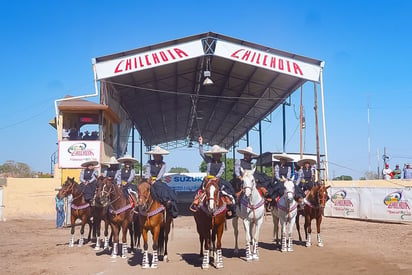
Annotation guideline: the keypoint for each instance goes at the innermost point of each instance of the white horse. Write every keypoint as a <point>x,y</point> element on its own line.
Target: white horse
<point>252,212</point>
<point>286,211</point>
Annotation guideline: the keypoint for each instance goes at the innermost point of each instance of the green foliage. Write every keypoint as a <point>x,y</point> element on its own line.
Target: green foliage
<point>16,169</point>
<point>178,170</point>
<point>343,177</point>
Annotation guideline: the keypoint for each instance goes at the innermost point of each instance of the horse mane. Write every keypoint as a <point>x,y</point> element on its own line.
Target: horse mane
<point>313,193</point>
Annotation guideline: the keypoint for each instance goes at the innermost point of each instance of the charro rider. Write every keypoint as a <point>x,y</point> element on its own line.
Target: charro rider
<point>306,179</point>
<point>88,180</point>
<point>155,170</point>
<point>112,170</point>
<point>282,173</point>
<point>127,175</point>
<point>215,168</point>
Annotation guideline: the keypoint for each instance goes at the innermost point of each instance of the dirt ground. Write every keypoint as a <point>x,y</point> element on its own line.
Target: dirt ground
<point>350,247</point>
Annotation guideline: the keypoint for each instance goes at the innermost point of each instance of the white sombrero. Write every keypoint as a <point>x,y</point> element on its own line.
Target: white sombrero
<point>90,162</point>
<point>247,150</point>
<point>283,156</point>
<point>157,151</point>
<point>304,160</point>
<point>216,149</point>
<point>112,161</point>
<point>127,158</point>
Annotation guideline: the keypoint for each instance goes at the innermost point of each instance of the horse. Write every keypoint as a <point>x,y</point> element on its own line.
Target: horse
<point>313,209</point>
<point>210,219</point>
<point>80,209</point>
<point>99,213</point>
<point>286,211</point>
<point>252,212</point>
<point>120,213</point>
<point>153,217</point>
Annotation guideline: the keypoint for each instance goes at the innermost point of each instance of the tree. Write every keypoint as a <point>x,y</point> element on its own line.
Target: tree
<point>178,170</point>
<point>370,176</point>
<point>343,177</point>
<point>18,170</point>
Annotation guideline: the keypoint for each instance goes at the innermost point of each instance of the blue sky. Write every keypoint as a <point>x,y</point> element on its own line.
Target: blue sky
<point>47,48</point>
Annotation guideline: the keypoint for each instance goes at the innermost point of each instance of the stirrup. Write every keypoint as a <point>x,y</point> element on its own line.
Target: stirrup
<point>193,208</point>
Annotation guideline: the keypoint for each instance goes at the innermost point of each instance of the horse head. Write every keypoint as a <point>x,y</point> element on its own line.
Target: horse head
<point>249,183</point>
<point>212,194</point>
<point>322,195</point>
<point>144,197</point>
<point>289,191</point>
<point>102,195</point>
<point>68,188</point>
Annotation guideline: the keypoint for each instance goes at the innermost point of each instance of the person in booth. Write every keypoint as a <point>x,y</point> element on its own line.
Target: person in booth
<point>155,170</point>
<point>88,180</point>
<point>215,168</point>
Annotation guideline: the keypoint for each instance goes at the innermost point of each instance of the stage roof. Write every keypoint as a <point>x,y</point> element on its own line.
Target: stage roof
<point>161,87</point>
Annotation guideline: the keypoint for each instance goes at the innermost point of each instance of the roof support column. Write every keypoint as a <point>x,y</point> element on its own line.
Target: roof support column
<point>323,122</point>
<point>260,142</point>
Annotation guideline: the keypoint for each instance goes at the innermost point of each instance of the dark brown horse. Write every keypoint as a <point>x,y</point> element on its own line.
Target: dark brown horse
<point>154,217</point>
<point>100,214</point>
<point>120,212</point>
<point>210,220</point>
<point>80,209</point>
<point>313,210</point>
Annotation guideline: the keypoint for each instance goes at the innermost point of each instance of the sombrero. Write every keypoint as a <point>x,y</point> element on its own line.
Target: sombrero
<point>283,156</point>
<point>247,150</point>
<point>304,160</point>
<point>216,149</point>
<point>157,151</point>
<point>90,162</point>
<point>127,158</point>
<point>112,161</point>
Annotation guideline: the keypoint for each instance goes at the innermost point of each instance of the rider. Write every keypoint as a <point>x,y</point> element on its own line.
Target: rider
<point>112,170</point>
<point>88,180</point>
<point>215,168</point>
<point>282,173</point>
<point>306,179</point>
<point>127,175</point>
<point>155,170</point>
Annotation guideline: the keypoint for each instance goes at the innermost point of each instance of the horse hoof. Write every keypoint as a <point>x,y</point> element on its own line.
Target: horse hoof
<point>320,244</point>
<point>219,265</point>
<point>290,249</point>
<point>97,248</point>
<point>205,266</point>
<point>308,244</point>
<point>255,257</point>
<point>124,256</point>
<point>165,258</point>
<point>114,256</point>
<point>145,266</point>
<point>154,266</point>
<point>249,258</point>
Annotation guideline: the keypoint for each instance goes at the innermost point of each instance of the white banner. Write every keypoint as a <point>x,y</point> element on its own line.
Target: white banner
<point>267,61</point>
<point>184,182</point>
<point>72,153</point>
<point>148,60</point>
<point>371,203</point>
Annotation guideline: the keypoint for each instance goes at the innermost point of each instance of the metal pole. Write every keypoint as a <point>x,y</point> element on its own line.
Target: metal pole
<point>141,156</point>
<point>284,127</point>
<point>317,133</point>
<point>260,142</point>
<point>324,123</point>
<point>133,141</point>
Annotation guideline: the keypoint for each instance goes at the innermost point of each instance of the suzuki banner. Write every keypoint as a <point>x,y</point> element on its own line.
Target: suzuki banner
<point>184,182</point>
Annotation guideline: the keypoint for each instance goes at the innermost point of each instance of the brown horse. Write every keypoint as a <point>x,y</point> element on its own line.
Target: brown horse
<point>120,212</point>
<point>100,214</point>
<point>154,217</point>
<point>210,220</point>
<point>313,209</point>
<point>80,209</point>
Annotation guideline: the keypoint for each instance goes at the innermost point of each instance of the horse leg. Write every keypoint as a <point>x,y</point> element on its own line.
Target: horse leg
<point>106,234</point>
<point>81,239</point>
<point>298,226</point>
<point>205,233</point>
<point>308,230</point>
<point>97,226</point>
<point>290,239</point>
<point>246,225</point>
<point>166,238</point>
<point>259,223</point>
<point>145,261</point>
<point>236,233</point>
<point>318,222</point>
<point>125,227</point>
<point>72,221</point>
<point>283,234</point>
<point>275,220</point>
<point>115,231</point>
<point>219,258</point>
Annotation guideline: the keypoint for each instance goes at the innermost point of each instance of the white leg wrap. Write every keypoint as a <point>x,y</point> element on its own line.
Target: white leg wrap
<point>71,242</point>
<point>124,250</point>
<point>219,262</point>
<point>284,247</point>
<point>290,243</point>
<point>114,251</point>
<point>248,253</point>
<point>81,240</point>
<point>106,243</point>
<point>320,243</point>
<point>145,261</point>
<point>97,247</point>
<point>308,241</point>
<point>155,259</point>
<point>205,263</point>
<point>255,255</point>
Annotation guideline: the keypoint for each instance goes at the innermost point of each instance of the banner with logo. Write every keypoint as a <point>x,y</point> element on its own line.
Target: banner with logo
<point>269,61</point>
<point>149,59</point>
<point>184,182</point>
<point>72,153</point>
<point>370,203</point>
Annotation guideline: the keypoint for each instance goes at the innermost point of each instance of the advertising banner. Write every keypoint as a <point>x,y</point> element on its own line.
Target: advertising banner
<point>184,182</point>
<point>267,60</point>
<point>371,203</point>
<point>148,60</point>
<point>72,153</point>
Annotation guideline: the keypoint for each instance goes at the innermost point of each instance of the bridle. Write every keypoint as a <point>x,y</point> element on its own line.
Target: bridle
<point>145,199</point>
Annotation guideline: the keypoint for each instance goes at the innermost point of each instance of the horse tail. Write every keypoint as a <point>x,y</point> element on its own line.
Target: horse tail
<point>161,241</point>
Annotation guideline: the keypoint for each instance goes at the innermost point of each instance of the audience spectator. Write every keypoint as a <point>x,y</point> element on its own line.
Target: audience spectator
<point>387,172</point>
<point>87,136</point>
<point>73,134</point>
<point>94,136</point>
<point>407,172</point>
<point>397,172</point>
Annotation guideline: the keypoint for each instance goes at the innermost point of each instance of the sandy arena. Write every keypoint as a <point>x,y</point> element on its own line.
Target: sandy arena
<point>350,247</point>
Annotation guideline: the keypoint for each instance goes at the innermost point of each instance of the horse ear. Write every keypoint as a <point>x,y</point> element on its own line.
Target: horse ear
<point>328,186</point>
